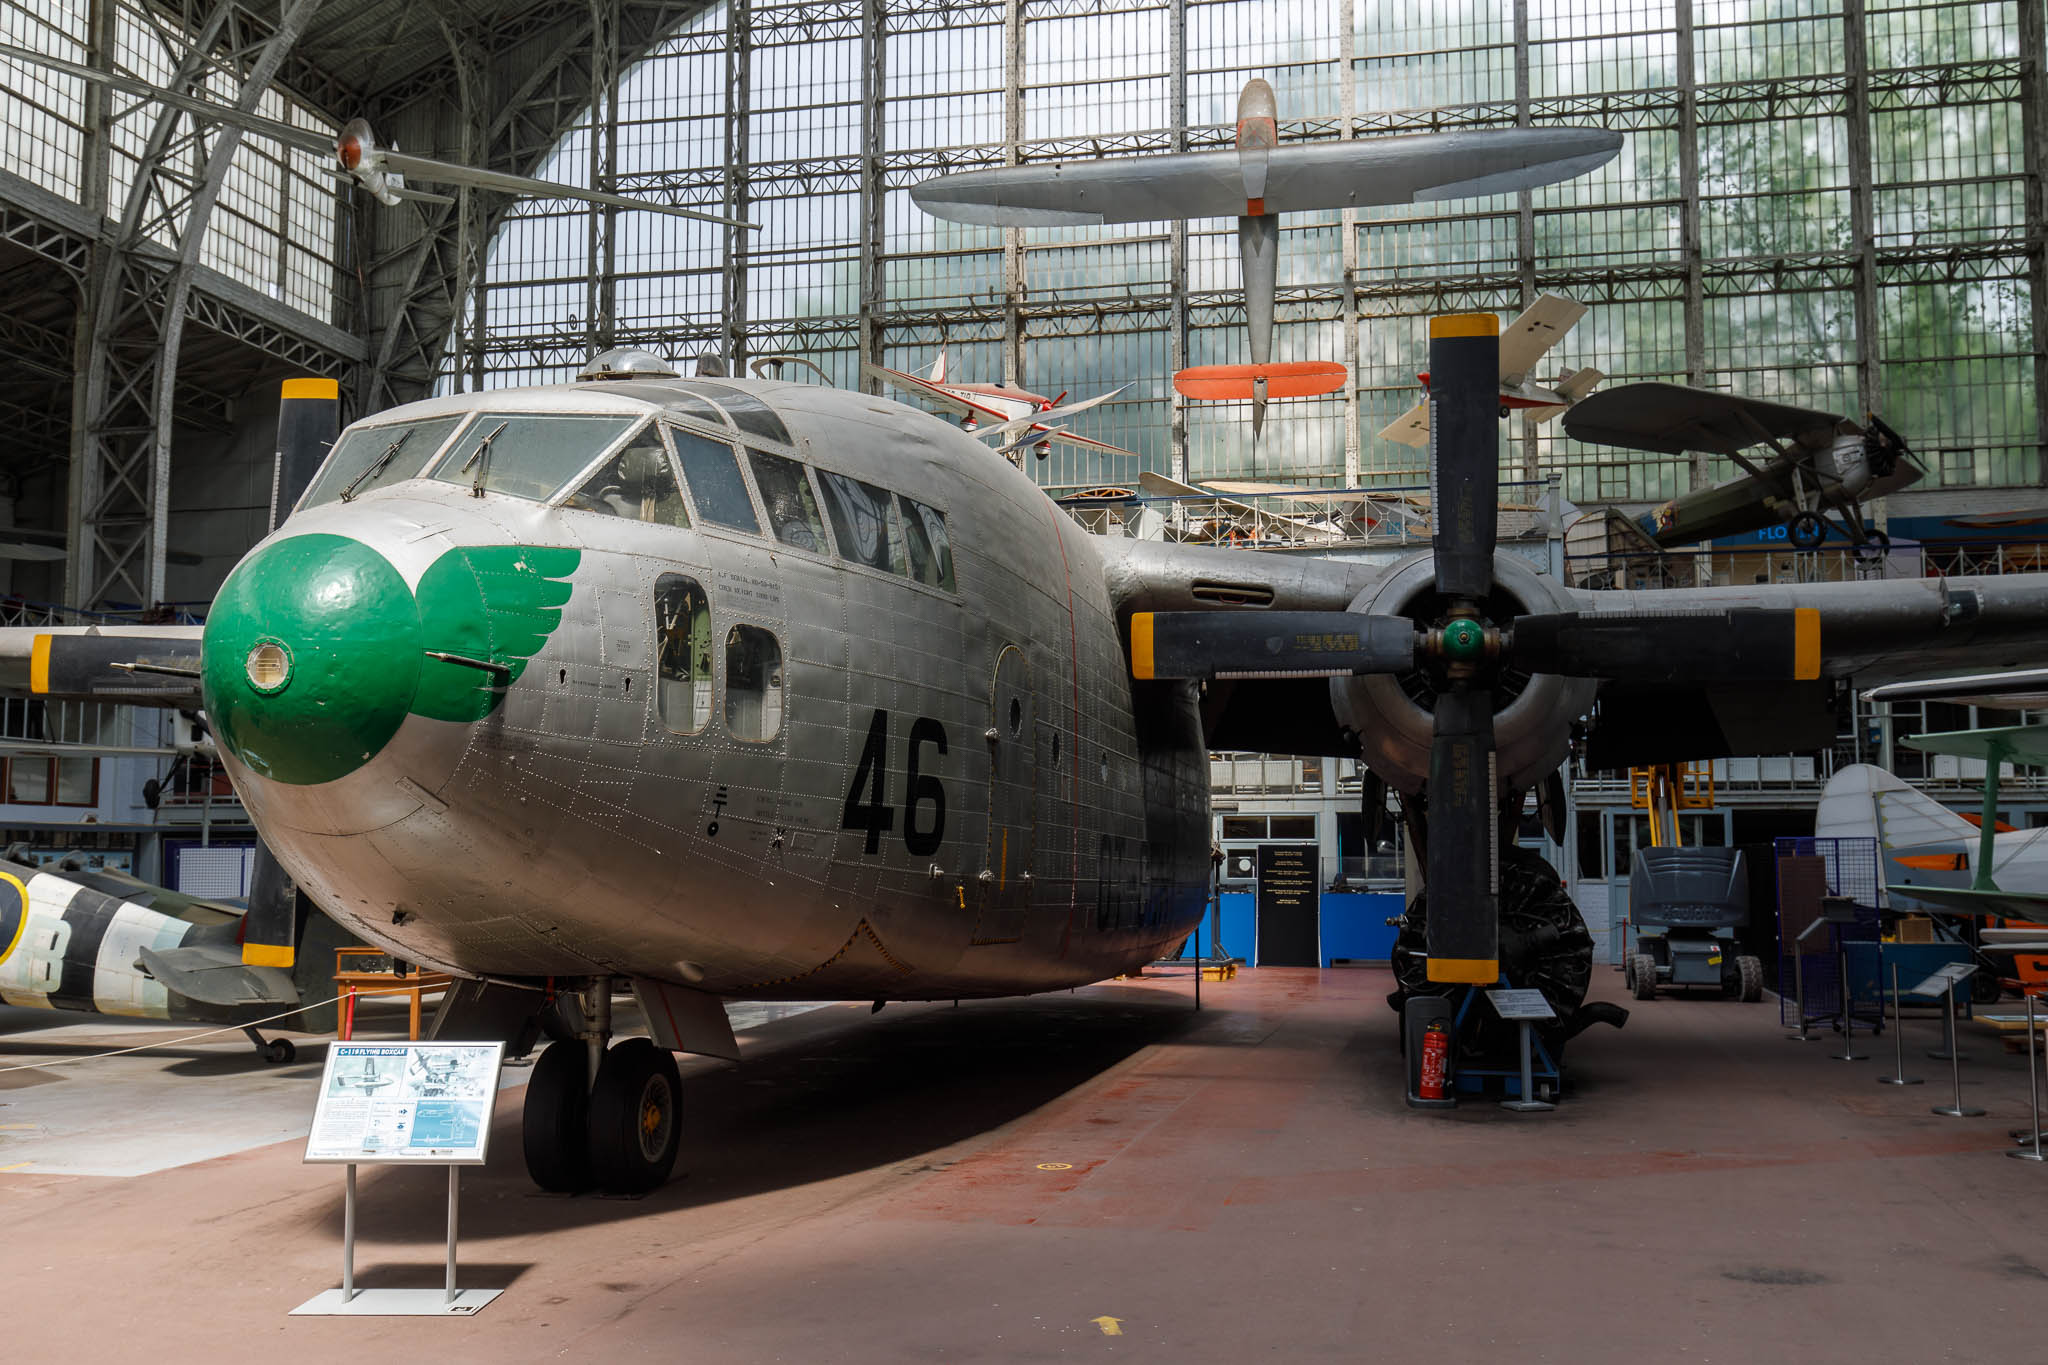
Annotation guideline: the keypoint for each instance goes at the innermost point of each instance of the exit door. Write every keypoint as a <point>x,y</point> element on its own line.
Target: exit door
<point>1012,738</point>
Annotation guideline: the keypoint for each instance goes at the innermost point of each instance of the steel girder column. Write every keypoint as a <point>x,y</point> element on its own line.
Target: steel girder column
<point>471,222</point>
<point>1525,220</point>
<point>121,455</point>
<point>1694,305</point>
<point>601,290</point>
<point>874,70</point>
<point>1862,212</point>
<point>1013,238</point>
<point>1347,225</point>
<point>1177,265</point>
<point>2033,27</point>
<point>739,82</point>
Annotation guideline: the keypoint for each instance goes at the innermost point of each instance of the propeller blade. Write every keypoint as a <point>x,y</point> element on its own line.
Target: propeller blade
<point>1739,645</point>
<point>1464,450</point>
<point>1463,926</point>
<point>1269,644</point>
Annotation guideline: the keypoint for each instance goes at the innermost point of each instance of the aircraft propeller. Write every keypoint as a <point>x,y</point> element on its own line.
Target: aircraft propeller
<point>1465,654</point>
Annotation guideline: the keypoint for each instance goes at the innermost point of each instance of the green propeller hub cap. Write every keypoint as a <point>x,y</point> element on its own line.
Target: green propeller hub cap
<point>311,658</point>
<point>1464,640</point>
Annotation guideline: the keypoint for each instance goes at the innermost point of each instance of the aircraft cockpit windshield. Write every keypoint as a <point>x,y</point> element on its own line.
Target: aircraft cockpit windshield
<point>373,457</point>
<point>528,454</point>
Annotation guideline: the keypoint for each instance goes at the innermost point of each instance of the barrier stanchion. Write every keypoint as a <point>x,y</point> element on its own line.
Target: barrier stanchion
<point>1898,1038</point>
<point>1957,1110</point>
<point>2033,1151</point>
<point>1849,1052</point>
<point>1799,985</point>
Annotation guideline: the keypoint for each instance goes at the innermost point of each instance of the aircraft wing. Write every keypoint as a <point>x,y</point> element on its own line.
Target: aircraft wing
<point>932,393</point>
<point>1673,419</point>
<point>1299,176</point>
<point>2024,689</point>
<point>1541,326</point>
<point>1411,428</point>
<point>1957,900</point>
<point>1068,438</point>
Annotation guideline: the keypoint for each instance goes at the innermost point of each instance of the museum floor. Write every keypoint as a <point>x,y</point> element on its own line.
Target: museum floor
<point>1093,1176</point>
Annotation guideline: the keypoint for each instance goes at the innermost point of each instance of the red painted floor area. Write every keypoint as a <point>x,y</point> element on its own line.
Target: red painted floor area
<point>1110,1175</point>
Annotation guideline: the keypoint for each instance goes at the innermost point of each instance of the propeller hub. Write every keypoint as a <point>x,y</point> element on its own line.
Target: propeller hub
<point>1464,641</point>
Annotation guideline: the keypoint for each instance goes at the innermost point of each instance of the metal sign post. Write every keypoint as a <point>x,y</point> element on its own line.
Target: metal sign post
<point>1799,985</point>
<point>1898,1039</point>
<point>1524,1007</point>
<point>2033,1152</point>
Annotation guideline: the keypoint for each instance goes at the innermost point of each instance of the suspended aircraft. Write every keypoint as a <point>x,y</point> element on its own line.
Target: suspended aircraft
<point>1255,182</point>
<point>356,154</point>
<point>1821,462</point>
<point>1021,417</point>
<point>724,688</point>
<point>1523,344</point>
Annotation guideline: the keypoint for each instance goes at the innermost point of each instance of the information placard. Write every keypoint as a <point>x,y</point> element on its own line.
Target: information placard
<point>423,1102</point>
<point>1519,1004</point>
<point>1943,977</point>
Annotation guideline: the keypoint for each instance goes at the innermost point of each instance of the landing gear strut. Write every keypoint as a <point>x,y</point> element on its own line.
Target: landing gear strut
<point>276,1051</point>
<point>602,1116</point>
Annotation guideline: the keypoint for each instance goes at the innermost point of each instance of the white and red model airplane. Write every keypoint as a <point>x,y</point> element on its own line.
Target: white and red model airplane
<point>1021,417</point>
<point>1523,343</point>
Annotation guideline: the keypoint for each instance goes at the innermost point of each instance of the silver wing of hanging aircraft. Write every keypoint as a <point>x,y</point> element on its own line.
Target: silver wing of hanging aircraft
<point>1301,176</point>
<point>354,152</point>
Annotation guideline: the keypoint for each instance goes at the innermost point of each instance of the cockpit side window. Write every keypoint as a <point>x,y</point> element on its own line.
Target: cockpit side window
<point>753,684</point>
<point>863,521</point>
<point>931,553</point>
<point>713,473</point>
<point>682,628</point>
<point>373,457</point>
<point>747,412</point>
<point>786,493</point>
<point>637,484</point>
<point>527,454</point>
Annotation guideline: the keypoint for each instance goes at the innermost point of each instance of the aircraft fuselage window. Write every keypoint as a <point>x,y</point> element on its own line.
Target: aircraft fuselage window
<point>636,484</point>
<point>864,522</point>
<point>682,627</point>
<point>753,684</point>
<point>786,493</point>
<point>373,457</point>
<point>930,552</point>
<point>713,473</point>
<point>748,413</point>
<point>529,454</point>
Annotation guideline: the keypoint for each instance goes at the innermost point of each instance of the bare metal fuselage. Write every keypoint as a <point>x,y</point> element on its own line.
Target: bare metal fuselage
<point>1035,820</point>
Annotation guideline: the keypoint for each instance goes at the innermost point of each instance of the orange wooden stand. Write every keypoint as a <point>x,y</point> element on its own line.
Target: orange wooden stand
<point>352,984</point>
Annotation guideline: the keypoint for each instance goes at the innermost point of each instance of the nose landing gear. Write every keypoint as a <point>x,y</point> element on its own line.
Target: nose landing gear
<point>616,1134</point>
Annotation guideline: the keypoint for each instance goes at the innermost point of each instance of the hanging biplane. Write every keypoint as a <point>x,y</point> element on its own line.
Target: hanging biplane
<point>1820,463</point>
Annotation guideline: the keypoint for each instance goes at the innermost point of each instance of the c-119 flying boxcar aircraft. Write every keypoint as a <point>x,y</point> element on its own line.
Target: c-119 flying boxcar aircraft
<point>742,688</point>
<point>1820,462</point>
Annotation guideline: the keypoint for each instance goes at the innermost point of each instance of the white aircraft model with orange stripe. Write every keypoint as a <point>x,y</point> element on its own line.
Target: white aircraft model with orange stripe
<point>1523,343</point>
<point>1019,414</point>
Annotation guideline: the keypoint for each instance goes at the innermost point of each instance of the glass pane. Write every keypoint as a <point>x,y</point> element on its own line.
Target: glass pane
<point>692,406</point>
<point>786,493</point>
<point>403,448</point>
<point>749,413</point>
<point>636,484</point>
<point>713,473</point>
<point>931,554</point>
<point>28,781</point>
<point>74,781</point>
<point>862,522</point>
<point>753,684</point>
<point>1294,827</point>
<point>1244,826</point>
<point>682,620</point>
<point>525,454</point>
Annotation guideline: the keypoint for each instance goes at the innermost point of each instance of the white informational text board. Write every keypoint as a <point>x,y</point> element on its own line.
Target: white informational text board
<point>426,1102</point>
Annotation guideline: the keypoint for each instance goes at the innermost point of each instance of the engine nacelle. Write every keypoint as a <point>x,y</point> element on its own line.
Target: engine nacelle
<point>1850,460</point>
<point>1391,714</point>
<point>362,156</point>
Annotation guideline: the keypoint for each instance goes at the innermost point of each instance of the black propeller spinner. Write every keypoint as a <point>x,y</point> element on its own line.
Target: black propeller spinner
<point>1466,654</point>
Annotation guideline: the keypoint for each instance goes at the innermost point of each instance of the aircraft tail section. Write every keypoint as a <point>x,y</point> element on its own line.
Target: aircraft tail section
<point>1863,801</point>
<point>1579,383</point>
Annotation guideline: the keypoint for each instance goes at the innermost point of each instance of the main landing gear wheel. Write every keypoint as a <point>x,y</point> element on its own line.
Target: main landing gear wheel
<point>553,1128</point>
<point>634,1129</point>
<point>279,1051</point>
<point>1808,530</point>
<point>1644,971</point>
<point>1876,545</point>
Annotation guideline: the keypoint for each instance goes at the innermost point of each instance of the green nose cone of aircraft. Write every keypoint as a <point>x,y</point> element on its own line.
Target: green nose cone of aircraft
<point>311,658</point>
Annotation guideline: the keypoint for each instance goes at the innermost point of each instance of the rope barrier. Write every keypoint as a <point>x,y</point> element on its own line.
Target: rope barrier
<point>171,1042</point>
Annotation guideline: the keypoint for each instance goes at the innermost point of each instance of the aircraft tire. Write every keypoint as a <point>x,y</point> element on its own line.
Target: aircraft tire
<point>279,1051</point>
<point>635,1111</point>
<point>1807,530</point>
<point>553,1123</point>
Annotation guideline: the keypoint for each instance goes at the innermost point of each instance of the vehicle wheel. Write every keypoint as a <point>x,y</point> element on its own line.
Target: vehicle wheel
<point>1645,984</point>
<point>279,1051</point>
<point>553,1125</point>
<point>1752,971</point>
<point>1985,989</point>
<point>634,1111</point>
<point>1808,530</point>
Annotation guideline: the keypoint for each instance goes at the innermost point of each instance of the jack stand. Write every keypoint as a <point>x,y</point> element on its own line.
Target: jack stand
<point>1526,1103</point>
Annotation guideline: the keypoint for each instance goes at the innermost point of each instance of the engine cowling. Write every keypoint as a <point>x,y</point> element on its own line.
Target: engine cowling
<point>1392,713</point>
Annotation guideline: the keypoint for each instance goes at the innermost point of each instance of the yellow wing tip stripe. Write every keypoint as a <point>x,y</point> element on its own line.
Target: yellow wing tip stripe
<point>1141,645</point>
<point>39,665</point>
<point>311,388</point>
<point>267,955</point>
<point>1471,971</point>
<point>1465,325</point>
<point>1805,643</point>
